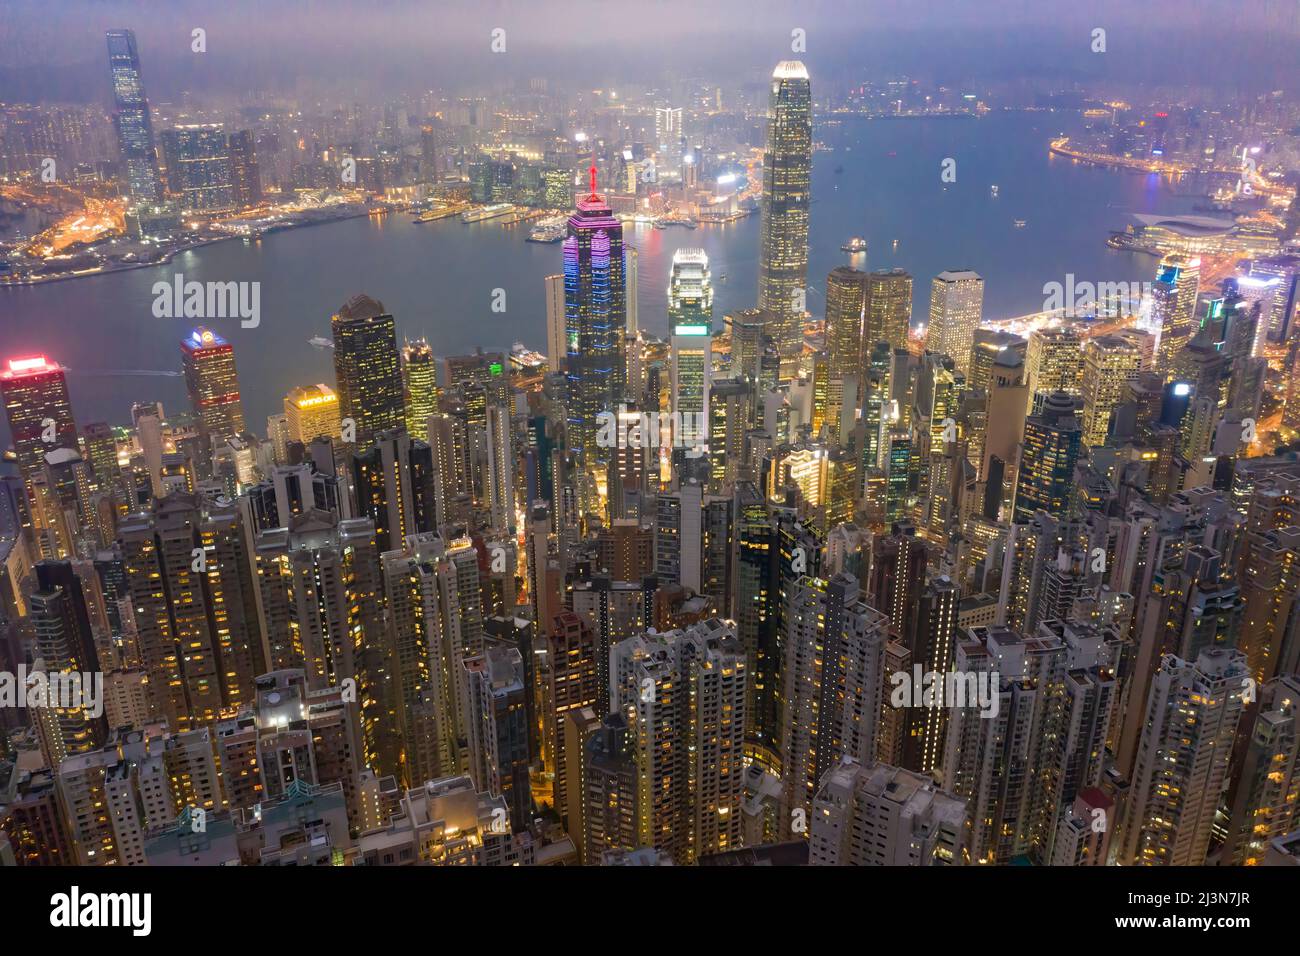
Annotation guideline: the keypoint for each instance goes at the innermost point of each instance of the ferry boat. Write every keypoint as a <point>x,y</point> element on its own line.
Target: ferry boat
<point>490,211</point>
<point>856,244</point>
<point>1020,224</point>
<point>320,342</point>
<point>549,230</point>
<point>993,191</point>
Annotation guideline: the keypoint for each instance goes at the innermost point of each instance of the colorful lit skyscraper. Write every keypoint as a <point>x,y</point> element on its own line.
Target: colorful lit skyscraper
<point>1174,308</point>
<point>1051,448</point>
<point>595,313</point>
<point>690,314</point>
<point>35,394</point>
<point>311,411</point>
<point>212,384</point>
<point>787,178</point>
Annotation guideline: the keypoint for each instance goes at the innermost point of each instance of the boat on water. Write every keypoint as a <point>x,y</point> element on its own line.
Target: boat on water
<point>551,229</point>
<point>1020,224</point>
<point>491,211</point>
<point>993,191</point>
<point>320,342</point>
<point>856,244</point>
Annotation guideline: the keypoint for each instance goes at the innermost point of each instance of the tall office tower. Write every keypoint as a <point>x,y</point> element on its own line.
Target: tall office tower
<point>595,315</point>
<point>166,560</point>
<point>693,542</point>
<point>787,193</point>
<point>846,301</point>
<point>1190,722</point>
<point>498,730</point>
<point>198,168</point>
<point>632,270</point>
<point>682,693</point>
<point>1110,363</point>
<point>750,330</point>
<point>1001,756</point>
<point>888,309</point>
<point>556,332</point>
<point>956,309</point>
<point>311,411</point>
<point>1054,361</point>
<point>501,469</point>
<point>245,175</point>
<point>1051,448</point>
<point>690,315</point>
<point>931,644</point>
<point>615,610</point>
<point>877,815</point>
<point>986,350</point>
<point>609,789</point>
<point>421,633</point>
<point>832,684</point>
<point>64,645</point>
<point>569,684</point>
<point>898,565</point>
<point>420,383</point>
<point>367,369</point>
<point>209,364</point>
<point>669,135</point>
<point>1263,799</point>
<point>729,402</point>
<point>393,479</point>
<point>1173,309</point>
<point>1008,397</point>
<point>1270,589</point>
<point>131,118</point>
<point>35,394</point>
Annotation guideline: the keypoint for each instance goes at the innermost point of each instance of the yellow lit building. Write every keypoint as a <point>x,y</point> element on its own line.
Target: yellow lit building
<point>311,411</point>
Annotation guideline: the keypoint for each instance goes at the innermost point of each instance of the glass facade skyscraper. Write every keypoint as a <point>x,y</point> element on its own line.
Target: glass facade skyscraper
<point>131,118</point>
<point>787,178</point>
<point>595,313</point>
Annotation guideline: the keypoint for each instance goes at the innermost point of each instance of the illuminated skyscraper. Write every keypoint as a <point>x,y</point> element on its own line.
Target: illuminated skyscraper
<point>956,307</point>
<point>846,300</point>
<point>131,118</point>
<point>1264,800</point>
<point>787,177</point>
<point>1054,361</point>
<point>690,314</point>
<point>213,386</point>
<point>888,309</point>
<point>833,679</point>
<point>367,368</point>
<point>245,177</point>
<point>394,487</point>
<point>595,314</point>
<point>1174,308</point>
<point>1109,364</point>
<point>198,168</point>
<point>501,468</point>
<point>311,411</point>
<point>1189,725</point>
<point>1051,448</point>
<point>420,381</point>
<point>35,394</point>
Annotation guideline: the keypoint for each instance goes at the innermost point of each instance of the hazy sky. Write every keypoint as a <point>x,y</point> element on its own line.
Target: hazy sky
<point>54,49</point>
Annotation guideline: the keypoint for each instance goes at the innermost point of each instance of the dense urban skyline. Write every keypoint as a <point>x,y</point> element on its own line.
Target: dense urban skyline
<point>752,562</point>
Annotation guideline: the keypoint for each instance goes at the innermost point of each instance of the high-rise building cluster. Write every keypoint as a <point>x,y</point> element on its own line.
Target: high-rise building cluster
<point>783,586</point>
